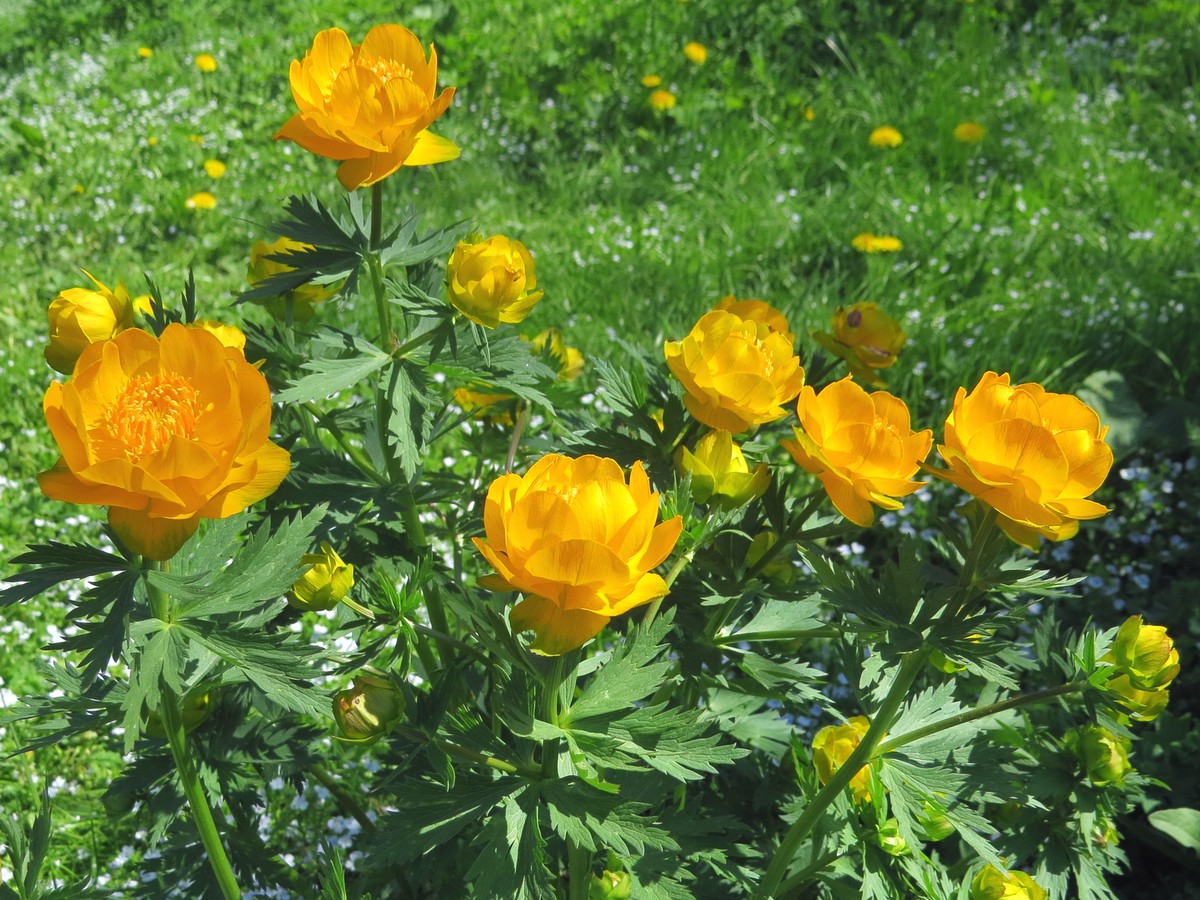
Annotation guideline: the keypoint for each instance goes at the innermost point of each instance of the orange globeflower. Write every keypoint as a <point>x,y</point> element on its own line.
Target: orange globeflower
<point>370,105</point>
<point>866,337</point>
<point>757,311</point>
<point>861,447</point>
<point>79,317</point>
<point>737,373</point>
<point>1032,455</point>
<point>578,542</point>
<point>164,432</point>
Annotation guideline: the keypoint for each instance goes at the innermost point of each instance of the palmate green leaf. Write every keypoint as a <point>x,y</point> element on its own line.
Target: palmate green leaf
<point>157,659</point>
<point>410,416</point>
<point>776,620</point>
<point>350,359</point>
<point>503,362</point>
<point>263,569</point>
<point>53,563</point>
<point>101,641</point>
<point>778,680</point>
<point>631,673</point>
<point>512,859</point>
<point>597,820</point>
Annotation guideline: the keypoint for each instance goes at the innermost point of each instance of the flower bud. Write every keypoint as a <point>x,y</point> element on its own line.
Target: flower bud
<point>780,569</point>
<point>80,317</point>
<point>492,281</point>
<point>890,840</point>
<point>1104,755</point>
<point>193,709</point>
<point>1146,654</point>
<point>261,267</point>
<point>720,472</point>
<point>933,822</point>
<point>611,886</point>
<point>368,709</point>
<point>832,746</point>
<point>992,884</point>
<point>327,581</point>
<point>1142,706</point>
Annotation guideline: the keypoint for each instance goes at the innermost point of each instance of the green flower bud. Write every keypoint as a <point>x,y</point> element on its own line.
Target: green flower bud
<point>933,821</point>
<point>1104,755</point>
<point>1146,654</point>
<point>779,570</point>
<point>611,886</point>
<point>193,709</point>
<point>368,709</point>
<point>888,837</point>
<point>992,884</point>
<point>720,473</point>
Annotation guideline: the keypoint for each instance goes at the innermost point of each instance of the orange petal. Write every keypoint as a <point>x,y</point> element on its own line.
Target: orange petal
<point>156,539</point>
<point>557,630</point>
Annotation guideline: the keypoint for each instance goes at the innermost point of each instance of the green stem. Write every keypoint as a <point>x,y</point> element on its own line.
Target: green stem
<point>655,605</point>
<point>382,310</point>
<point>500,765</point>
<point>355,453</point>
<point>344,800</point>
<point>444,638</point>
<point>805,875</point>
<point>910,667</point>
<point>579,871</point>
<point>515,441</point>
<point>980,712</point>
<point>550,689</point>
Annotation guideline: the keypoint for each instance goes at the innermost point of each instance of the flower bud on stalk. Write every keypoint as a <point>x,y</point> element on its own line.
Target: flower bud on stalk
<point>867,338</point>
<point>720,473</point>
<point>832,746</point>
<point>611,886</point>
<point>368,709</point>
<point>80,317</point>
<point>325,584</point>
<point>992,884</point>
<point>193,709</point>
<point>492,281</point>
<point>1104,755</point>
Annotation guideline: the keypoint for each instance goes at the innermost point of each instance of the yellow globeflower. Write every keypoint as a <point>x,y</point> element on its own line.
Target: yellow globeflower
<point>720,473</point>
<point>1032,455</point>
<point>1145,653</point>
<point>1142,706</point>
<point>969,132</point>
<point>325,582</point>
<point>876,243</point>
<point>992,884</point>
<point>79,317</point>
<point>266,260</point>
<point>866,337</point>
<point>662,100</point>
<point>201,200</point>
<point>214,168</point>
<point>832,746</point>
<point>757,311</point>
<point>886,136</point>
<point>164,432</point>
<point>695,52</point>
<point>737,373</point>
<point>369,106</point>
<point>492,281</point>
<point>206,63</point>
<point>861,447</point>
<point>578,542</point>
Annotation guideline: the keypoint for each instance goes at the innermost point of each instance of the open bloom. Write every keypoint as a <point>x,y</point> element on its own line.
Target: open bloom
<point>992,884</point>
<point>492,281</point>
<point>737,372</point>
<point>832,746</point>
<point>757,311</point>
<point>1032,455</point>
<point>861,447</point>
<point>886,136</point>
<point>578,542</point>
<point>369,106</point>
<point>164,433</point>
<point>326,581</point>
<point>720,473</point>
<point>79,317</point>
<point>866,337</point>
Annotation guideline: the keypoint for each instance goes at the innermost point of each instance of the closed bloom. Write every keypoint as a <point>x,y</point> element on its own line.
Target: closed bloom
<point>368,709</point>
<point>720,473</point>
<point>578,542</point>
<point>266,260</point>
<point>737,373</point>
<point>757,311</point>
<point>325,583</point>
<point>969,132</point>
<point>492,281</point>
<point>876,243</point>
<point>866,337</point>
<point>832,746</point>
<point>369,106</point>
<point>695,52</point>
<point>885,136</point>
<point>1032,455</point>
<point>662,100</point>
<point>79,317</point>
<point>1104,755</point>
<point>1141,706</point>
<point>164,433</point>
<point>992,884</point>
<point>861,447</point>
<point>1145,653</point>
<point>206,63</point>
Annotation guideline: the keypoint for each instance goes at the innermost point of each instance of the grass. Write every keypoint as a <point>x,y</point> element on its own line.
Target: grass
<point>1061,245</point>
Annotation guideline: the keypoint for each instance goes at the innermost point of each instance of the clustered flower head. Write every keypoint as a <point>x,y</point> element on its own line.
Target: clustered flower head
<point>368,105</point>
<point>1032,455</point>
<point>492,281</point>
<point>578,542</point>
<point>866,337</point>
<point>737,373</point>
<point>80,317</point>
<point>1145,662</point>
<point>861,446</point>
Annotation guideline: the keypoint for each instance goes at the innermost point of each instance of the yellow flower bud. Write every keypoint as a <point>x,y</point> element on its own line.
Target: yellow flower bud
<point>327,581</point>
<point>720,472</point>
<point>832,746</point>
<point>550,342</point>
<point>368,709</point>
<point>1104,755</point>
<point>492,281</point>
<point>992,884</point>
<point>1146,654</point>
<point>80,317</point>
<point>1142,706</point>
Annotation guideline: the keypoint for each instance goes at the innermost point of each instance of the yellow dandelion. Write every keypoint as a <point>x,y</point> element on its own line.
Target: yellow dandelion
<point>809,114</point>
<point>876,243</point>
<point>214,168</point>
<point>969,132</point>
<point>78,188</point>
<point>695,52</point>
<point>145,52</point>
<point>651,80</point>
<point>196,138</point>
<point>886,136</point>
<point>206,62</point>
<point>202,200</point>
<point>152,141</point>
<point>662,100</point>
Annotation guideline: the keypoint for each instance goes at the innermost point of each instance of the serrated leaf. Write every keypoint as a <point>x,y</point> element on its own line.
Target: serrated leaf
<point>778,620</point>
<point>598,820</point>
<point>331,375</point>
<point>54,563</point>
<point>629,675</point>
<point>410,417</point>
<point>512,861</point>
